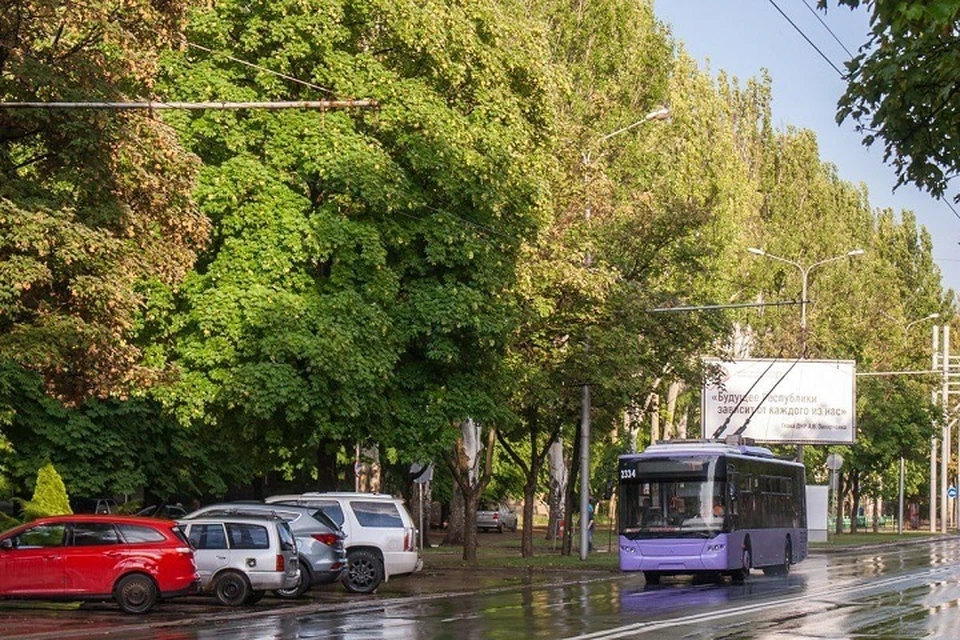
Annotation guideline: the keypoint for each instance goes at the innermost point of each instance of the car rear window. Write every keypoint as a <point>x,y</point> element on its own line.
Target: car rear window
<point>287,542</point>
<point>208,536</point>
<point>93,534</point>
<point>333,511</point>
<point>139,534</point>
<point>248,536</point>
<point>180,535</point>
<point>325,520</point>
<point>377,514</point>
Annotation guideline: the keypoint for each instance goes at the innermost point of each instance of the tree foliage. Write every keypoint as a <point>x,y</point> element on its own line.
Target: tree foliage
<point>49,495</point>
<point>93,203</point>
<point>353,290</point>
<point>904,88</point>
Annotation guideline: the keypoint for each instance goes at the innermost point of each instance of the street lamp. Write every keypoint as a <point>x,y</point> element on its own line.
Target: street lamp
<point>804,272</point>
<point>932,316</point>
<point>906,329</point>
<point>659,114</point>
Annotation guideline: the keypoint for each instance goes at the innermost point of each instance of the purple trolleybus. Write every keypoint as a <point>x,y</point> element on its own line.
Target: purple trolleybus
<point>690,507</point>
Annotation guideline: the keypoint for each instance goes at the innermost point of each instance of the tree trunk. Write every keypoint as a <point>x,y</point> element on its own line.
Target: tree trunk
<point>529,495</point>
<point>655,419</point>
<point>570,497</point>
<point>841,491</point>
<point>558,489</point>
<point>455,524</point>
<point>670,429</point>
<point>855,510</point>
<point>463,463</point>
<point>327,472</point>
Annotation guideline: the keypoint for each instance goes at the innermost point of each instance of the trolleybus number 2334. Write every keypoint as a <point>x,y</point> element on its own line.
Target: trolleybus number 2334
<point>710,507</point>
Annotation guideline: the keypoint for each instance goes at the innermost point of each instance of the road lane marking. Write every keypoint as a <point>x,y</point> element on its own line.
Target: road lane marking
<point>656,625</point>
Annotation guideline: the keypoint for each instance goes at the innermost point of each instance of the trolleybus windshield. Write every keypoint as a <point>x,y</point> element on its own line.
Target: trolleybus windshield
<point>672,498</point>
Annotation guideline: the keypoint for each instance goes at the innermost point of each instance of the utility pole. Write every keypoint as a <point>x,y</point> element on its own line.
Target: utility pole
<point>945,437</point>
<point>933,439</point>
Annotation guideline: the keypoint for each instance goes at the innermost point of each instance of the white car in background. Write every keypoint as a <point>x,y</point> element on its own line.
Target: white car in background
<point>379,534</point>
<point>495,516</point>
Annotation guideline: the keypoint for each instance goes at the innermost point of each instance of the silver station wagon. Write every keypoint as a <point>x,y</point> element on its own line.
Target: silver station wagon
<point>240,558</point>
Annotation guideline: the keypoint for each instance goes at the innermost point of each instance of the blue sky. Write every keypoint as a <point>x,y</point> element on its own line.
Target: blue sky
<point>744,36</point>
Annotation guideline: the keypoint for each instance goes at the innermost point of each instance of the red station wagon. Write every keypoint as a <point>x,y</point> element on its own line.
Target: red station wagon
<point>131,560</point>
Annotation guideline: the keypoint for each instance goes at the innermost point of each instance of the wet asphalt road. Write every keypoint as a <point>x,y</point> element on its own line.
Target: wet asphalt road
<point>907,592</point>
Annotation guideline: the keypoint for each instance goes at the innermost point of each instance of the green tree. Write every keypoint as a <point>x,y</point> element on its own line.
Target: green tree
<point>49,495</point>
<point>93,203</point>
<point>354,289</point>
<point>904,88</point>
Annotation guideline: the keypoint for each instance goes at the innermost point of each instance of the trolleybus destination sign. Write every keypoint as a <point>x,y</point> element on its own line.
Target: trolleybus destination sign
<point>788,401</point>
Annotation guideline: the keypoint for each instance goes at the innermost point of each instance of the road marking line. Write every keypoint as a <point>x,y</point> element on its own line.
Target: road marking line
<point>656,625</point>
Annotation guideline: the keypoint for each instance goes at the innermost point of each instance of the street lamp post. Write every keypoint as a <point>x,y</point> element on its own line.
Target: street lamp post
<point>906,329</point>
<point>659,114</point>
<point>804,273</point>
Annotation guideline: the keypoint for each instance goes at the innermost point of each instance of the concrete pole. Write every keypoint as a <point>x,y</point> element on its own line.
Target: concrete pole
<point>584,470</point>
<point>900,509</point>
<point>945,437</point>
<point>935,332</point>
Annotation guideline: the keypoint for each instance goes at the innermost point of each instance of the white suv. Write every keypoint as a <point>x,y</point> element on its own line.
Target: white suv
<point>379,534</point>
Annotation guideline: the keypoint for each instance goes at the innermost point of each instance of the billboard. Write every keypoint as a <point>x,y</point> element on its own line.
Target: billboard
<point>783,401</point>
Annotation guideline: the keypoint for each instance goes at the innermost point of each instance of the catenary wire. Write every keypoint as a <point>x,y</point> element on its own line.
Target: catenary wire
<point>827,27</point>
<point>261,68</point>
<point>809,41</point>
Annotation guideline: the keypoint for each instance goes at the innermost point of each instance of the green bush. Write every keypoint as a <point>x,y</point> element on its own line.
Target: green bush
<point>49,497</point>
<point>6,522</point>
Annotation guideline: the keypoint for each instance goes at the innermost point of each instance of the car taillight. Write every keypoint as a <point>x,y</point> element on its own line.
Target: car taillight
<point>496,516</point>
<point>409,540</point>
<point>280,563</point>
<point>329,539</point>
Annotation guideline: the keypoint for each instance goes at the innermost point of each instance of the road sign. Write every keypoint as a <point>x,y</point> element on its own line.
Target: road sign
<point>952,492</point>
<point>834,461</point>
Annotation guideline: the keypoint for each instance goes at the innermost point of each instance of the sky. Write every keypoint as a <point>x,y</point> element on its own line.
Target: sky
<point>742,37</point>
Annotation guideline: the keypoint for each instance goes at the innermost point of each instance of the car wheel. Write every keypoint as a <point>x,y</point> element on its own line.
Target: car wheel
<point>499,528</point>
<point>231,588</point>
<point>135,593</point>
<point>255,597</point>
<point>306,579</point>
<point>364,572</point>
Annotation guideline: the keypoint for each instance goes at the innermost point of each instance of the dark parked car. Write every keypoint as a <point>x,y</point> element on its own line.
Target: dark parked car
<point>168,511</point>
<point>131,560</point>
<point>102,506</point>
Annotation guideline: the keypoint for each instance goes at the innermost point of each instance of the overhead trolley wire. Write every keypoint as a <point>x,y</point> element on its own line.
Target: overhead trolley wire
<point>746,423</point>
<point>827,27</point>
<point>723,427</point>
<point>809,41</point>
<point>262,68</point>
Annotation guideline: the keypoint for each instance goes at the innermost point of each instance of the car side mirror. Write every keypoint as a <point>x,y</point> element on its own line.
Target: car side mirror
<point>6,543</point>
